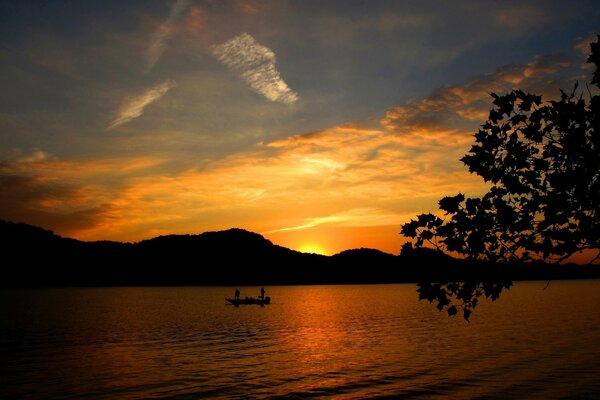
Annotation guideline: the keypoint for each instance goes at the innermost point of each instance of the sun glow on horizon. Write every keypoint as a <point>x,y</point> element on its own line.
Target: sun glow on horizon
<point>311,248</point>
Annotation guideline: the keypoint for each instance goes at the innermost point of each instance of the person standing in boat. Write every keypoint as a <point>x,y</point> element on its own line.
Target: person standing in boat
<point>262,294</point>
<point>237,294</point>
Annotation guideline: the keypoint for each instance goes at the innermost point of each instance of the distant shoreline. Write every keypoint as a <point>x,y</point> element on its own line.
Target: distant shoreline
<point>235,257</point>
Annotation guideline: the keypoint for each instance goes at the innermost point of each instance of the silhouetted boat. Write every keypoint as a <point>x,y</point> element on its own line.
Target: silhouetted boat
<point>249,300</point>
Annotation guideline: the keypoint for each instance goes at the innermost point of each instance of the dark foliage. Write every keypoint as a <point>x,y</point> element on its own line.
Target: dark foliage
<point>542,160</point>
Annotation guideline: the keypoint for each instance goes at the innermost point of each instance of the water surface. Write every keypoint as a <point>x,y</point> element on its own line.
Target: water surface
<point>313,341</point>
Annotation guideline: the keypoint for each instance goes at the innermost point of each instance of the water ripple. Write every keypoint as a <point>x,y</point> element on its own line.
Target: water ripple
<point>314,342</point>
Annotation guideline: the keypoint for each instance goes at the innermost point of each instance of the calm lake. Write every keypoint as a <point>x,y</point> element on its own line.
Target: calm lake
<point>369,341</point>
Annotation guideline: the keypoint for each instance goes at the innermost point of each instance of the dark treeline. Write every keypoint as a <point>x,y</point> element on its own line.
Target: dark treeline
<point>33,256</point>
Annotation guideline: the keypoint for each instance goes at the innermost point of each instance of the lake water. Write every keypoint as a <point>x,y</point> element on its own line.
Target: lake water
<point>371,341</point>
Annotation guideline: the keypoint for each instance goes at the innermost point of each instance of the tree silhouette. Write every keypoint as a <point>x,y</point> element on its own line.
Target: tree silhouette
<point>542,160</point>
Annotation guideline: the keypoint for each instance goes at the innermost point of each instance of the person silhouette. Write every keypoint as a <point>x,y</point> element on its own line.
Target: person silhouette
<point>262,294</point>
<point>237,294</point>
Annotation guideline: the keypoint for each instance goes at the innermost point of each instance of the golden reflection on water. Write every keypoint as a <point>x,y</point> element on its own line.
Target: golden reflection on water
<point>323,341</point>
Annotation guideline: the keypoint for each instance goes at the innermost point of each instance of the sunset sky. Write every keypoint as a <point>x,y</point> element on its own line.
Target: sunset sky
<point>322,125</point>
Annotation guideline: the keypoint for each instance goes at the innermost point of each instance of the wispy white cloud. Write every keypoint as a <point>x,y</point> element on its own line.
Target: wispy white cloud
<point>159,39</point>
<point>134,107</point>
<point>256,64</point>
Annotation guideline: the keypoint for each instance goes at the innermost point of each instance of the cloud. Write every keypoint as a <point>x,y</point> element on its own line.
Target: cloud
<point>134,107</point>
<point>546,65</point>
<point>453,112</point>
<point>256,64</point>
<point>74,198</point>
<point>92,172</point>
<point>583,44</point>
<point>518,19</point>
<point>348,176</point>
<point>35,156</point>
<point>37,201</point>
<point>356,217</point>
<point>158,42</point>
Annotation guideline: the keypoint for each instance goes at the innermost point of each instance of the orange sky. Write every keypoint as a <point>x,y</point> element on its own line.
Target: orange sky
<point>347,186</point>
<point>195,118</point>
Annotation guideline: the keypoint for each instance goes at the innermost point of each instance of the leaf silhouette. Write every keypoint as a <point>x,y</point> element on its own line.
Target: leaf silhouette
<point>542,161</point>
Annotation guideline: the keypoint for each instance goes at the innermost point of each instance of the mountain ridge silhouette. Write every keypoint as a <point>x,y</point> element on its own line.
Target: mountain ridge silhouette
<point>230,257</point>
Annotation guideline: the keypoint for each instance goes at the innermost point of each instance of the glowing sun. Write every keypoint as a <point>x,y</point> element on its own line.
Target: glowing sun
<point>311,248</point>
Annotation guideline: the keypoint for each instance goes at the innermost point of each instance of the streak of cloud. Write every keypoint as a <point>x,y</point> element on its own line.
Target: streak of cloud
<point>357,217</point>
<point>158,44</point>
<point>134,107</point>
<point>256,64</point>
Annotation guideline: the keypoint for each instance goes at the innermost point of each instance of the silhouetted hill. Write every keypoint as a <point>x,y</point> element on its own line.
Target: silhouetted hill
<point>232,257</point>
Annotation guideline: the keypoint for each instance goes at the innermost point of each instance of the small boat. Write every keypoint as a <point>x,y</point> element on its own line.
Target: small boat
<point>249,300</point>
